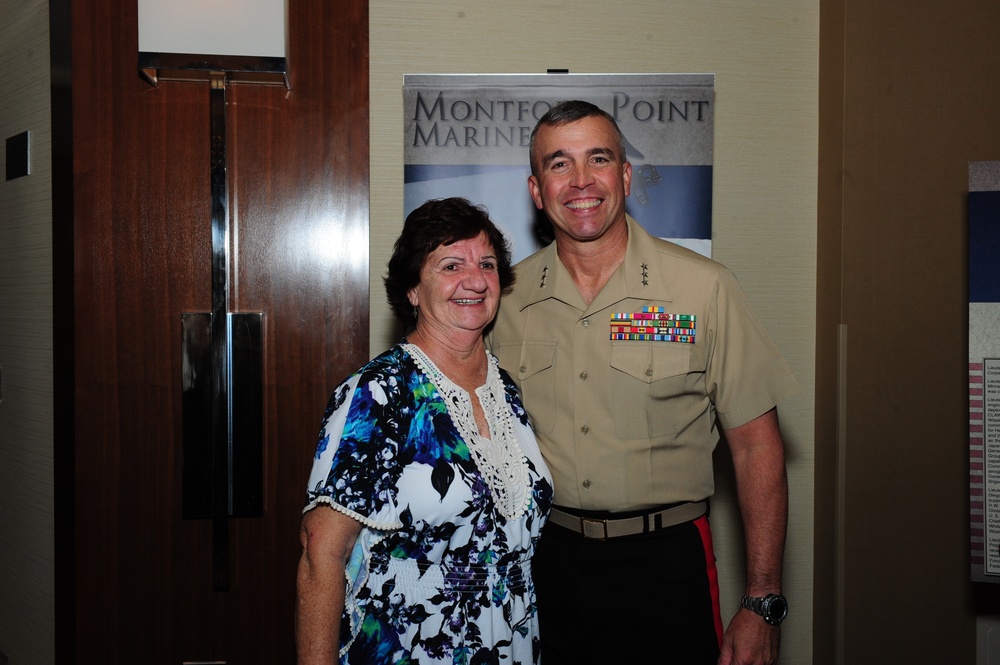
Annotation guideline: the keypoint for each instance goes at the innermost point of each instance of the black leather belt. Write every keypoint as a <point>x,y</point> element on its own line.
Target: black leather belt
<point>602,529</point>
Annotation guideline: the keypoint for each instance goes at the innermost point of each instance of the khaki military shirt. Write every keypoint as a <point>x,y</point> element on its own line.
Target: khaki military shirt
<point>630,423</point>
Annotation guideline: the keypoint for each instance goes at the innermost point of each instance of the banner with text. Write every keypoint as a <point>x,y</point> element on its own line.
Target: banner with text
<point>467,135</point>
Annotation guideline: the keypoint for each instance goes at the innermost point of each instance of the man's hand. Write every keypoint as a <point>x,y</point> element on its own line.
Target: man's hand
<point>750,641</point>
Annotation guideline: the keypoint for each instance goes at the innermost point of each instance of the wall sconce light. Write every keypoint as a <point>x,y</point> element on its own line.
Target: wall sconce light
<point>219,42</point>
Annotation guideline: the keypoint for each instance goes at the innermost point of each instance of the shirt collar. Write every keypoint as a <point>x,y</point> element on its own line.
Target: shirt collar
<point>637,277</point>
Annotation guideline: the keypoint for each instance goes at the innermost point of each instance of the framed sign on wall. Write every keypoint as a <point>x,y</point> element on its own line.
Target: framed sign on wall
<point>984,369</point>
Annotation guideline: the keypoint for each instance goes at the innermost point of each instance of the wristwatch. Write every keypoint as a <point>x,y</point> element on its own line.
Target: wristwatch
<point>773,608</point>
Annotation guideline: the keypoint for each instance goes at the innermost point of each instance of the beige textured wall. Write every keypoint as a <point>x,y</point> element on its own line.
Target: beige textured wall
<point>27,587</point>
<point>765,57</point>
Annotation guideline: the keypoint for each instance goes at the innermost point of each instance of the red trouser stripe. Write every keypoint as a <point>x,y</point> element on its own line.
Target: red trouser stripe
<point>711,571</point>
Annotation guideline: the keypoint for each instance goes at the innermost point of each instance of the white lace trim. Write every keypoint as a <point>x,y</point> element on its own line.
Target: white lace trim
<point>370,523</point>
<point>499,458</point>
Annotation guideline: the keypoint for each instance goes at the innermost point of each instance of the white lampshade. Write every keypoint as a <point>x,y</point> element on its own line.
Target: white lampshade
<point>185,39</point>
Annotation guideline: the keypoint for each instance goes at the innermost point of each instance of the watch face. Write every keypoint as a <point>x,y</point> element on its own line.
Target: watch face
<point>775,609</point>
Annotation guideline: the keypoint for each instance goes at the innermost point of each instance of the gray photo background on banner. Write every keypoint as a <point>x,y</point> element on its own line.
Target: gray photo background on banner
<point>467,135</point>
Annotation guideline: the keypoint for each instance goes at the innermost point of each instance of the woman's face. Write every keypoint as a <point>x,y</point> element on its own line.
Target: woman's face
<point>459,287</point>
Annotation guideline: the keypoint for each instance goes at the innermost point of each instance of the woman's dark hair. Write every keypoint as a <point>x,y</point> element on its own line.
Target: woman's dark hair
<point>439,222</point>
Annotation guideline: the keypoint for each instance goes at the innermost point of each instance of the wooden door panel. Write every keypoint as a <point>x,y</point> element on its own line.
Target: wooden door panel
<point>298,166</point>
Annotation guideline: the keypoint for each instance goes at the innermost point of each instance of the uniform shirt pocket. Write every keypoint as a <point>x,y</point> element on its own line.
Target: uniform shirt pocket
<point>530,364</point>
<point>646,376</point>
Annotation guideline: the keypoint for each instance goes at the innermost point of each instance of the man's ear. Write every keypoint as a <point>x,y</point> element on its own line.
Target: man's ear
<point>535,190</point>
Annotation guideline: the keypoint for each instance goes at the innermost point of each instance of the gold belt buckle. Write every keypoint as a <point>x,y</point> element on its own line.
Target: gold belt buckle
<point>592,528</point>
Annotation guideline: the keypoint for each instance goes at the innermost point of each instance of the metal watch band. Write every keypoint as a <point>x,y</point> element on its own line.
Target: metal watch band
<point>773,608</point>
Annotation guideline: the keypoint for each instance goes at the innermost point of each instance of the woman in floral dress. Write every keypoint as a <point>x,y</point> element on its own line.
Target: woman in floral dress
<point>428,492</point>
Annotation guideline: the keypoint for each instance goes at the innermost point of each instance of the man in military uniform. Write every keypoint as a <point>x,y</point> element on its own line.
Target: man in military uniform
<point>628,351</point>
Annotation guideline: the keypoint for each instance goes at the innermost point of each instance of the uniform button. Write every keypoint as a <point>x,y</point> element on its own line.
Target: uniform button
<point>586,322</point>
<point>583,375</point>
<point>649,372</point>
<point>522,369</point>
<point>585,429</point>
<point>586,484</point>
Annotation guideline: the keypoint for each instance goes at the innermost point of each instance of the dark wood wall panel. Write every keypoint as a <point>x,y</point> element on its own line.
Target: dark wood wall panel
<point>298,164</point>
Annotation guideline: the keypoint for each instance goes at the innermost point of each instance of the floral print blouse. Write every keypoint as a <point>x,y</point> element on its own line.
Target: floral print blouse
<point>438,574</point>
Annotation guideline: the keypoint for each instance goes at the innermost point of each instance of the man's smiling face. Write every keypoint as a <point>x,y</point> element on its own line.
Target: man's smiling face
<point>582,181</point>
